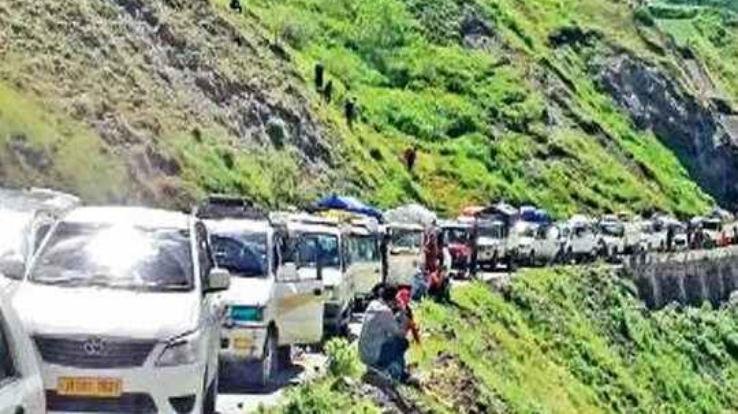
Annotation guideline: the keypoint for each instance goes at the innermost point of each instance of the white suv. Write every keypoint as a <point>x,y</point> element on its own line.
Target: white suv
<point>120,303</point>
<point>269,307</point>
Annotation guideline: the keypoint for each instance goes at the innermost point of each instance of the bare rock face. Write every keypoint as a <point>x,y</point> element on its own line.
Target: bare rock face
<point>696,133</point>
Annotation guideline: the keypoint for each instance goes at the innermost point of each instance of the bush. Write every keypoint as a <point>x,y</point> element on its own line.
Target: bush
<point>343,360</point>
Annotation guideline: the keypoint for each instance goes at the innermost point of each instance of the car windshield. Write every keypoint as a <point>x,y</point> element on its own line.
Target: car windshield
<point>242,254</point>
<point>456,235</point>
<point>612,229</point>
<point>407,238</point>
<point>711,225</point>
<point>318,246</point>
<point>363,249</point>
<point>493,232</point>
<point>115,256</point>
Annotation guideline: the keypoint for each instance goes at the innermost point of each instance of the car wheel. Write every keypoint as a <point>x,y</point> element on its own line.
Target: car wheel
<point>268,367</point>
<point>210,394</point>
<point>284,356</point>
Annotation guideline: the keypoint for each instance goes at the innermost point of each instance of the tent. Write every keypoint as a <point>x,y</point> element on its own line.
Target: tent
<point>350,204</point>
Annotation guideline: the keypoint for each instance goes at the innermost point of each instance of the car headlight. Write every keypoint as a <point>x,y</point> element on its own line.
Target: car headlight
<point>182,350</point>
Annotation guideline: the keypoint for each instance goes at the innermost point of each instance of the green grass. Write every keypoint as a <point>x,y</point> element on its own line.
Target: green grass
<point>561,340</point>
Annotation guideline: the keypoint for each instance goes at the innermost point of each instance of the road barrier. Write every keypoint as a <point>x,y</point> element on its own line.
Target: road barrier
<point>688,278</point>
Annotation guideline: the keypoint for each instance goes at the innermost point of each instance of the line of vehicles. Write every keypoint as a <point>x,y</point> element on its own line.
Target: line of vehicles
<point>127,309</point>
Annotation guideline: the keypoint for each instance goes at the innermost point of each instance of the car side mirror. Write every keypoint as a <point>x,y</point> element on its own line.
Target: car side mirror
<point>12,268</point>
<point>218,280</point>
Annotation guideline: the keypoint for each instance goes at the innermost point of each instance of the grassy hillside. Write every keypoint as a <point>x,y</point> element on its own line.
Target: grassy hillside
<point>499,96</point>
<point>563,341</point>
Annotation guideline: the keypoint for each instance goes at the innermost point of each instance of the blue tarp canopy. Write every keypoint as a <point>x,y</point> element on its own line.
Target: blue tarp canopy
<point>351,204</point>
<point>534,215</point>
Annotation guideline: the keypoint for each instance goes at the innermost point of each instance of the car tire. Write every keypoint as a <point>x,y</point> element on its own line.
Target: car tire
<point>209,395</point>
<point>284,356</point>
<point>269,363</point>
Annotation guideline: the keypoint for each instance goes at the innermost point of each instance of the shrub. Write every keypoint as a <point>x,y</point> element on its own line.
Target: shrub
<point>342,358</point>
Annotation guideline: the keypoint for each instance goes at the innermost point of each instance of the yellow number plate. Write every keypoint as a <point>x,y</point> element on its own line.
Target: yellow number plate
<point>90,387</point>
<point>242,343</point>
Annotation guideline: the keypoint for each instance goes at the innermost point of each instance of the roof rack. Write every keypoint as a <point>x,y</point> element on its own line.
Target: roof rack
<point>219,206</point>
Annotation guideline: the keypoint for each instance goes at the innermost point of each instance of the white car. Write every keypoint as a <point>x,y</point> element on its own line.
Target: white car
<point>611,238</point>
<point>493,244</point>
<point>524,234</point>
<point>269,307</point>
<point>653,236</point>
<point>582,240</point>
<point>405,250</point>
<point>320,250</point>
<point>121,304</point>
<point>548,245</point>
<point>21,385</point>
<point>364,261</point>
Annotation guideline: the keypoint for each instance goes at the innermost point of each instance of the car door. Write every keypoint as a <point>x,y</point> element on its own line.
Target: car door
<point>300,300</point>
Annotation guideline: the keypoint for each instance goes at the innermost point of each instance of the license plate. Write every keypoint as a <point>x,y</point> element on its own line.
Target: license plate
<point>90,387</point>
<point>242,343</point>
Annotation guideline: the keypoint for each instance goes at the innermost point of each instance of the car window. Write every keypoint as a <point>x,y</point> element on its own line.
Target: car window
<point>242,254</point>
<point>363,249</point>
<point>406,238</point>
<point>312,247</point>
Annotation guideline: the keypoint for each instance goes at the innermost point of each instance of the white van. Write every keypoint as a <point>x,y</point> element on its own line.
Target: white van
<point>611,237</point>
<point>269,307</point>
<point>493,245</point>
<point>582,240</point>
<point>405,252</point>
<point>21,385</point>
<point>548,246</point>
<point>320,248</point>
<point>364,261</point>
<point>121,305</point>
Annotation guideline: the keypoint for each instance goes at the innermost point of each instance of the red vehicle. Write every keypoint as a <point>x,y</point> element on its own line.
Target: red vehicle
<point>457,236</point>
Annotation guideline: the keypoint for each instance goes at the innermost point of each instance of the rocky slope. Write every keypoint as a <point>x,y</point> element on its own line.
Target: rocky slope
<point>575,105</point>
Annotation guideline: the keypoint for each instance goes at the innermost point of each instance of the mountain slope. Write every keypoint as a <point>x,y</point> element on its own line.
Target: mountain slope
<point>504,99</point>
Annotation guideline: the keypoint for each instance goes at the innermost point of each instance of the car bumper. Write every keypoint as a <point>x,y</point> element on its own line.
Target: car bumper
<point>144,389</point>
<point>243,343</point>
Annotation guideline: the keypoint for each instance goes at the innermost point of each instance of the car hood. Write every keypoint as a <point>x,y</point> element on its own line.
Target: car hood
<point>53,310</point>
<point>250,291</point>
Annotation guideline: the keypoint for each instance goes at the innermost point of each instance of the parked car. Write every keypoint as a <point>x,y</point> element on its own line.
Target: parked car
<point>364,260</point>
<point>611,237</point>
<point>138,331</point>
<point>714,233</point>
<point>269,307</point>
<point>320,247</point>
<point>494,247</point>
<point>21,385</point>
<point>653,236</point>
<point>523,235</point>
<point>405,245</point>
<point>581,240</point>
<point>458,238</point>
<point>549,245</point>
<point>679,238</point>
